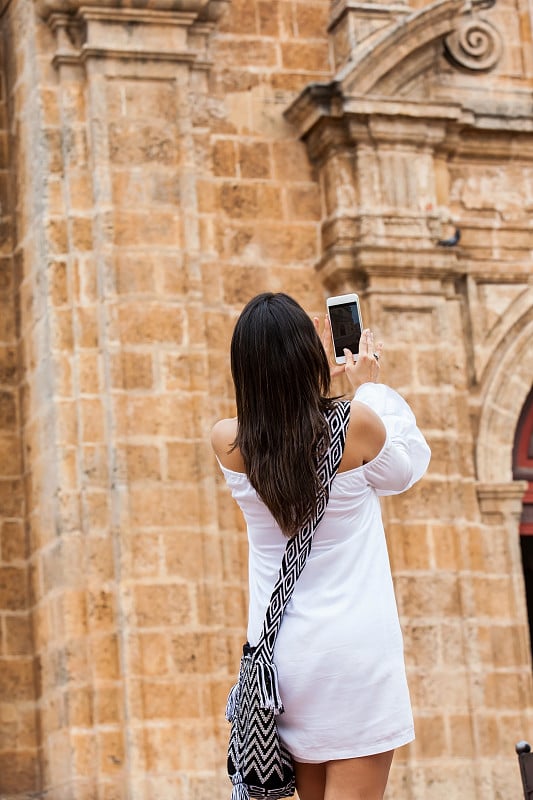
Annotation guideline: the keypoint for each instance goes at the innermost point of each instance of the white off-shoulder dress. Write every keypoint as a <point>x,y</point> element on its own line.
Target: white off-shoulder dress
<point>339,652</point>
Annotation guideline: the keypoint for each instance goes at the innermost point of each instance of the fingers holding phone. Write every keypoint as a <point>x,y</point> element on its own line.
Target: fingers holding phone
<point>366,368</point>
<point>350,343</point>
<point>345,322</point>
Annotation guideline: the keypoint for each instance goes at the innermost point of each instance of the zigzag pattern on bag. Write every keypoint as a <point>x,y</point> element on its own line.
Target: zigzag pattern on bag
<point>254,742</point>
<point>259,765</point>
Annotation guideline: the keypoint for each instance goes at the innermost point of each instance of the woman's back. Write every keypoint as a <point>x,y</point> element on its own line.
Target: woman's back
<point>340,647</point>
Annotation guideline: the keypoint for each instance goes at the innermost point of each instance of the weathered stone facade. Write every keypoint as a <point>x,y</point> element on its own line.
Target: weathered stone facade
<point>158,167</point>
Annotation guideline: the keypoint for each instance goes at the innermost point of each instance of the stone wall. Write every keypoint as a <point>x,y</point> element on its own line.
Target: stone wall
<point>19,764</point>
<point>154,181</point>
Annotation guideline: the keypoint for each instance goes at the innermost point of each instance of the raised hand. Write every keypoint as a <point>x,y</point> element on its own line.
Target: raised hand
<point>366,368</point>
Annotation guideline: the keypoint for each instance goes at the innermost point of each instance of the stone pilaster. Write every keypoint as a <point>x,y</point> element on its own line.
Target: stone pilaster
<point>116,374</point>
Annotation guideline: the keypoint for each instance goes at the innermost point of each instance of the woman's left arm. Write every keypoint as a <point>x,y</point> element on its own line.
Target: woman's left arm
<point>406,454</point>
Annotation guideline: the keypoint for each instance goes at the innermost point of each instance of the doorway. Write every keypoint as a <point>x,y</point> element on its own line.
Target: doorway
<point>523,470</point>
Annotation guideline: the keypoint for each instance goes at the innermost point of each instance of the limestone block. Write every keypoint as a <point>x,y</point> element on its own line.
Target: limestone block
<point>10,457</point>
<point>444,540</point>
<point>80,190</point>
<point>141,323</point>
<point>105,657</point>
<point>95,465</point>
<point>131,145</point>
<point>100,564</point>
<point>108,705</point>
<point>165,415</point>
<point>111,751</point>
<point>250,200</point>
<point>92,420</point>
<point>149,654</point>
<point>19,771</point>
<point>8,365</point>
<point>422,643</point>
<point>8,414</point>
<point>254,160</point>
<point>224,158</point>
<point>86,320</point>
<point>409,547</point>
<point>268,14</point>
<point>84,752</point>
<point>78,705</point>
<point>16,680</point>
<point>7,324</point>
<point>162,605</point>
<point>134,229</point>
<point>303,203</point>
<point>162,700</point>
<point>142,556</point>
<point>431,737</point>
<point>430,596</point>
<point>12,497</point>
<point>133,370</point>
<point>12,541</point>
<point>139,462</point>
<point>249,53</point>
<point>89,372</point>
<point>307,57</point>
<point>18,639</point>
<point>433,783</point>
<point>290,161</point>
<point>311,19</point>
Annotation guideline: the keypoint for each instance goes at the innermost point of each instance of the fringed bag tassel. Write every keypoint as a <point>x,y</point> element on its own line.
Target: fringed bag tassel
<point>268,686</point>
<point>233,699</point>
<point>240,790</point>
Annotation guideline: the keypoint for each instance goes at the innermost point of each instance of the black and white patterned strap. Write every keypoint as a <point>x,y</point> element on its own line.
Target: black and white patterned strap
<point>299,546</point>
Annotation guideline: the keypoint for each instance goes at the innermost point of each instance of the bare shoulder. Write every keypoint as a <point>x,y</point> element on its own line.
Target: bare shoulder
<point>366,433</point>
<point>362,416</point>
<point>223,435</point>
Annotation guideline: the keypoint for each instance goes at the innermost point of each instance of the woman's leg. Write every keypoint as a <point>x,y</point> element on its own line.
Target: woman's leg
<point>310,780</point>
<point>358,778</point>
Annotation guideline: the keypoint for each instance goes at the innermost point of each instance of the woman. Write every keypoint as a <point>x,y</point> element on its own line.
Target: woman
<point>339,652</point>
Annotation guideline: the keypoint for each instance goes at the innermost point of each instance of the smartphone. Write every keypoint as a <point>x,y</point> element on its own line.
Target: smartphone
<point>344,314</point>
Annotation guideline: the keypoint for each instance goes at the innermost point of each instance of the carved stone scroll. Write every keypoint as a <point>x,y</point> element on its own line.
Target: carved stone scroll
<point>475,45</point>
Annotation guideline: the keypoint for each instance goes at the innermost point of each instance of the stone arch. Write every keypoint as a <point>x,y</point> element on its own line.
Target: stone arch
<point>383,67</point>
<point>504,391</point>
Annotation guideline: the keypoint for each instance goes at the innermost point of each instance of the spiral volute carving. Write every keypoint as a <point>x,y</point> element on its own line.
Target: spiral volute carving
<point>475,44</point>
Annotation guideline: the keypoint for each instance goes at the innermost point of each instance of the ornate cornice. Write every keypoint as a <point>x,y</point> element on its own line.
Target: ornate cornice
<point>408,35</point>
<point>500,500</point>
<point>370,80</point>
<point>202,10</point>
<point>164,30</point>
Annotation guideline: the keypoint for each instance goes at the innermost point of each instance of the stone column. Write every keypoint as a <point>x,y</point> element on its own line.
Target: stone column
<point>19,763</point>
<point>116,380</point>
<point>501,676</point>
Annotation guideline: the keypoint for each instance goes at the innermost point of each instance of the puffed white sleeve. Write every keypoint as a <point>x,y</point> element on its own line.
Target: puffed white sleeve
<point>405,455</point>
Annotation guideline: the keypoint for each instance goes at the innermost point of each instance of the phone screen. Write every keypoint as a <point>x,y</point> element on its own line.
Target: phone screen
<point>345,327</point>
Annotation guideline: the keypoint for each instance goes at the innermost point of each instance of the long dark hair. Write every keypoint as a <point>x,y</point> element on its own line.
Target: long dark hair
<point>282,382</point>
